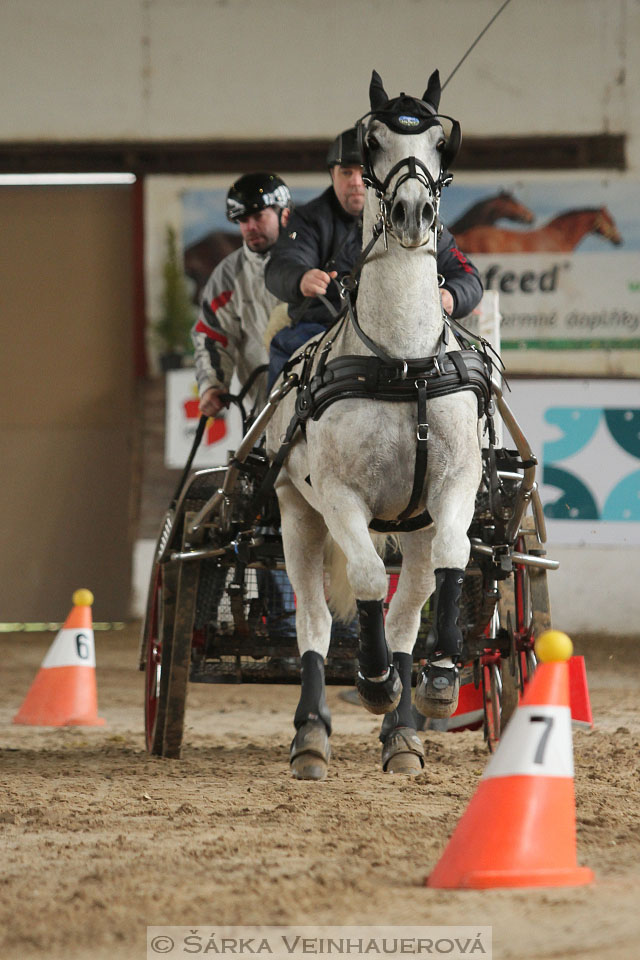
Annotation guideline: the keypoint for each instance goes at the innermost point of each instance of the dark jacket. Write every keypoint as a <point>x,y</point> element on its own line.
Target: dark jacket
<point>322,234</point>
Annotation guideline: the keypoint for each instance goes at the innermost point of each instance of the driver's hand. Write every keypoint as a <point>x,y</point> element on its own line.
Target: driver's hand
<point>447,301</point>
<point>315,282</point>
<point>210,402</point>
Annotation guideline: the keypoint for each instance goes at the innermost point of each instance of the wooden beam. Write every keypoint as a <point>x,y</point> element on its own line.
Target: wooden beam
<point>581,152</point>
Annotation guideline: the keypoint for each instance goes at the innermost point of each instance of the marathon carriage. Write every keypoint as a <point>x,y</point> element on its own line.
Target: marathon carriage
<point>210,614</point>
<point>379,406</point>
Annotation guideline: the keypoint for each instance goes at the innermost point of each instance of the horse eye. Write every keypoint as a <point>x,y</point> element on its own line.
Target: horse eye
<point>372,143</point>
<point>440,145</point>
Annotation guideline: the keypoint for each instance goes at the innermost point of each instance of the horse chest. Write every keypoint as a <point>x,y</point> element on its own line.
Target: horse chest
<point>371,449</point>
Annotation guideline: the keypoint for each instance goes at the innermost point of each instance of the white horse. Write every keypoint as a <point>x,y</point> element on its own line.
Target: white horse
<point>356,463</point>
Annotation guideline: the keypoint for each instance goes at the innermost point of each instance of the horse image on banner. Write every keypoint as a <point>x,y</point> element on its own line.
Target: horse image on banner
<point>486,212</point>
<point>562,234</point>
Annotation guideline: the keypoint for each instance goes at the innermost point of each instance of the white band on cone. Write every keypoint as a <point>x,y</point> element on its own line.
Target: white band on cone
<point>71,648</point>
<point>537,742</point>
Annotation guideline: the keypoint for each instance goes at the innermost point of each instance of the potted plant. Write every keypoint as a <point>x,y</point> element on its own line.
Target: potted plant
<point>174,326</point>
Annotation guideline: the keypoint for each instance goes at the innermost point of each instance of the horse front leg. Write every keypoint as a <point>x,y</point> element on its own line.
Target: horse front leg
<point>304,534</point>
<point>377,681</point>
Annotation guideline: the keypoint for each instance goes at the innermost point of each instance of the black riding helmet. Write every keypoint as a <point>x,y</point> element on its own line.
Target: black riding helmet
<point>254,192</point>
<point>345,149</point>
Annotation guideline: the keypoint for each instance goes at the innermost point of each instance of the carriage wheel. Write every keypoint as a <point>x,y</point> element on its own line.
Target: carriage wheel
<point>491,691</point>
<point>165,658</point>
<point>159,629</point>
<point>510,696</point>
<point>177,661</point>
<point>524,608</point>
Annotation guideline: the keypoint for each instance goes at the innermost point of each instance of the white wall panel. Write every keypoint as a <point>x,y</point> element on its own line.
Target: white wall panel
<point>248,68</point>
<point>71,69</point>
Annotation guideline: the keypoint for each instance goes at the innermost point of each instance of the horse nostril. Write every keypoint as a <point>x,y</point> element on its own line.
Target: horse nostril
<point>399,215</point>
<point>427,213</point>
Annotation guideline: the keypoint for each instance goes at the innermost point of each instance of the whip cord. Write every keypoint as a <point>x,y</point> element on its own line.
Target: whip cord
<point>477,40</point>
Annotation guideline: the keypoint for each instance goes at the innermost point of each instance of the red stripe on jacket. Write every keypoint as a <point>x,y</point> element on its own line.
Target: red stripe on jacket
<point>462,260</point>
<point>202,327</point>
<point>220,301</point>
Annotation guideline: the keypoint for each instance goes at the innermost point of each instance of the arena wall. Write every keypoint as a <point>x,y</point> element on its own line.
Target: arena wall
<point>172,70</point>
<point>157,69</point>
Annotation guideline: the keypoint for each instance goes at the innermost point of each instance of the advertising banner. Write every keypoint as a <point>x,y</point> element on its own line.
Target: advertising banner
<point>181,422</point>
<point>563,257</point>
<point>586,436</point>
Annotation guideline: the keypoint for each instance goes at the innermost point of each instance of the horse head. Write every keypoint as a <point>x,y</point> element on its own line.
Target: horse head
<point>605,225</point>
<point>509,208</point>
<point>405,157</point>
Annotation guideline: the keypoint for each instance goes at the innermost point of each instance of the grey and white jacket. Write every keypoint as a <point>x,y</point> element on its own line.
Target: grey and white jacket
<point>233,316</point>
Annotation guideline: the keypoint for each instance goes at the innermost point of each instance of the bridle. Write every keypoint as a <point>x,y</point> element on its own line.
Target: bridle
<point>397,115</point>
<point>416,170</point>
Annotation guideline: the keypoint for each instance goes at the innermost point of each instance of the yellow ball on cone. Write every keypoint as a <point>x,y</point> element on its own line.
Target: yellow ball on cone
<point>82,598</point>
<point>553,645</point>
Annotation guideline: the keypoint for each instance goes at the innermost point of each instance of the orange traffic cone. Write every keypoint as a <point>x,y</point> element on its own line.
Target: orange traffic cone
<point>64,692</point>
<point>519,828</point>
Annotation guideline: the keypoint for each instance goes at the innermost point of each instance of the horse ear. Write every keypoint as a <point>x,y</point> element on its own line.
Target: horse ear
<point>377,94</point>
<point>432,93</point>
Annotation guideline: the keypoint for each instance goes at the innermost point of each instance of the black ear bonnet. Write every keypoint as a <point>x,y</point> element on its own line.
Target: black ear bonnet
<point>405,114</point>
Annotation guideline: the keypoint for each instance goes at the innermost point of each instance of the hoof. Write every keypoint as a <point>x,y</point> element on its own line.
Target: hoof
<point>437,691</point>
<point>402,752</point>
<point>310,752</point>
<point>380,697</point>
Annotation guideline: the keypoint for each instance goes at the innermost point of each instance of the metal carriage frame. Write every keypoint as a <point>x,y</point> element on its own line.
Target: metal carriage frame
<point>209,615</point>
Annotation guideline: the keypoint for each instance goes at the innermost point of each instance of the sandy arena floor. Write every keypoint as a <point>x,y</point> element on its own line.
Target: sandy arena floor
<point>101,840</point>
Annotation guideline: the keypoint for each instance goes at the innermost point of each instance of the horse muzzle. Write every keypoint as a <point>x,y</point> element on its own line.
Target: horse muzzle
<point>411,221</point>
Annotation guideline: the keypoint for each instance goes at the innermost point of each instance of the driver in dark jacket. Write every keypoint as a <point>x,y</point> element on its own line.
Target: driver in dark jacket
<point>323,240</point>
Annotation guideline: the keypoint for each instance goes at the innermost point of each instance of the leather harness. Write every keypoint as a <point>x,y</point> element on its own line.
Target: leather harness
<point>323,381</point>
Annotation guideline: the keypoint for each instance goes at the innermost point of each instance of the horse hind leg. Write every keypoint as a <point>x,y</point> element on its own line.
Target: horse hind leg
<point>451,505</point>
<point>304,534</point>
<point>438,684</point>
<point>402,750</point>
<point>310,749</point>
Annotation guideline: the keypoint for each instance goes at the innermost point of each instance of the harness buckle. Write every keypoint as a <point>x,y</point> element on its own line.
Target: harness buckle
<point>405,370</point>
<point>422,433</point>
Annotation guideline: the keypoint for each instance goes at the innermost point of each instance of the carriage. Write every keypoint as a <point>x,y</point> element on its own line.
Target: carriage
<point>220,611</point>
<point>411,402</point>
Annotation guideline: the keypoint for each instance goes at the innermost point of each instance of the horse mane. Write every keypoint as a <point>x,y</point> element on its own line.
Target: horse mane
<point>573,212</point>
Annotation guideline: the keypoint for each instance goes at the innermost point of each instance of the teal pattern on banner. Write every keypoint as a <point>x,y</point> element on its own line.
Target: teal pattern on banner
<point>577,499</point>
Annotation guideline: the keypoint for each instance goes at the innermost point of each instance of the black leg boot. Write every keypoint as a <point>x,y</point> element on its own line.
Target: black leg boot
<point>439,685</point>
<point>402,750</point>
<point>310,750</point>
<point>377,682</point>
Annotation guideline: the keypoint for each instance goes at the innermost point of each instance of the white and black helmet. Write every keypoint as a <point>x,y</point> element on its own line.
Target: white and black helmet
<point>254,192</point>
